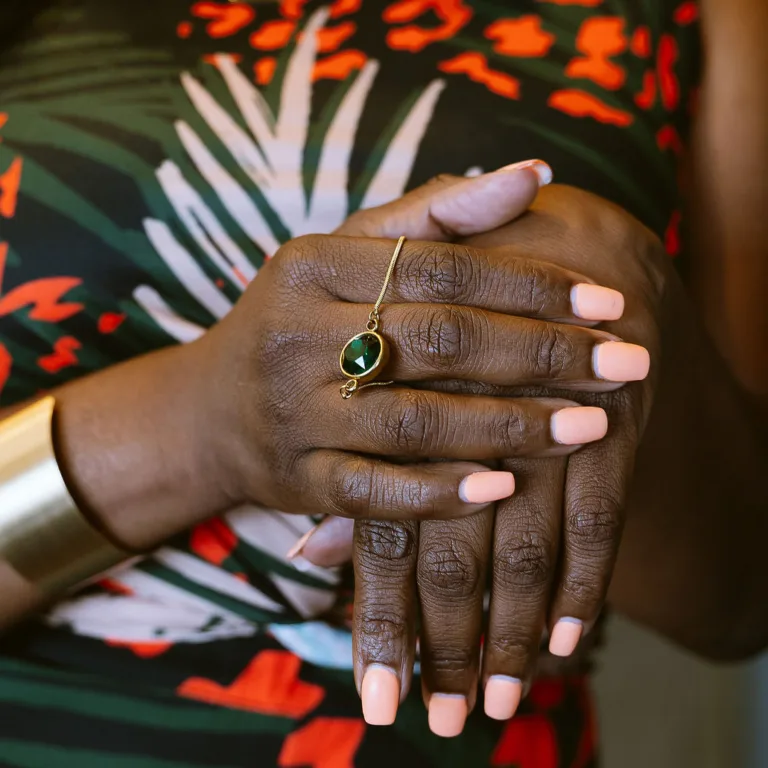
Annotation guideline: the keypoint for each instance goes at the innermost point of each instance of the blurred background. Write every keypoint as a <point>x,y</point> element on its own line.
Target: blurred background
<point>662,708</point>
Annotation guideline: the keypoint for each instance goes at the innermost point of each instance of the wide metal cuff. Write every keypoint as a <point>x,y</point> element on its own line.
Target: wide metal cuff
<point>43,535</point>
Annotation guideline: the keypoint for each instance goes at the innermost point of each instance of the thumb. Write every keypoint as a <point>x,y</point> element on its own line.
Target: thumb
<point>451,207</point>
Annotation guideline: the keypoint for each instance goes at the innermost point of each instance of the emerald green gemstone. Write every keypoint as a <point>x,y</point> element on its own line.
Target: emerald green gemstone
<point>360,355</point>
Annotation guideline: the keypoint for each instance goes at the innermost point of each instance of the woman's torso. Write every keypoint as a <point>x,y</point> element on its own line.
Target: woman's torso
<point>153,155</point>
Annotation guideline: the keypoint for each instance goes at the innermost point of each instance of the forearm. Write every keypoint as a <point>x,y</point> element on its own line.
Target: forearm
<point>135,451</point>
<point>691,563</point>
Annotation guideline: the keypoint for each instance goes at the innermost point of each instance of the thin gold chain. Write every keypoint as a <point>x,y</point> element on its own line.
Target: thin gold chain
<point>373,318</point>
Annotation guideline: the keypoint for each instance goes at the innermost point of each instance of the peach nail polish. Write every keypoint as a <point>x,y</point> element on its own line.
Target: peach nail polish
<point>565,636</point>
<point>542,170</point>
<point>502,696</point>
<point>617,361</point>
<point>380,693</point>
<point>485,487</point>
<point>595,302</point>
<point>576,426</point>
<point>447,714</point>
<point>296,549</point>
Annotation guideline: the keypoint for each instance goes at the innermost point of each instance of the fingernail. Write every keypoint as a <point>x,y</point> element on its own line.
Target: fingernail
<point>543,171</point>
<point>380,693</point>
<point>485,487</point>
<point>576,426</point>
<point>502,696</point>
<point>296,549</point>
<point>447,714</point>
<point>301,564</point>
<point>595,302</point>
<point>565,637</point>
<point>617,361</point>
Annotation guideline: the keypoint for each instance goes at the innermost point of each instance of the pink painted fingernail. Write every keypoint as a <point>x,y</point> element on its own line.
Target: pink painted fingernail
<point>565,637</point>
<point>502,696</point>
<point>595,302</point>
<point>380,693</point>
<point>576,426</point>
<point>447,714</point>
<point>542,170</point>
<point>617,361</point>
<point>297,548</point>
<point>485,487</point>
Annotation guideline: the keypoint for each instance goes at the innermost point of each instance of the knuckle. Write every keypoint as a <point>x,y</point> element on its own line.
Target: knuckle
<point>512,646</point>
<point>444,273</point>
<point>406,426</point>
<point>583,590</point>
<point>380,628</point>
<point>439,338</point>
<point>450,661</point>
<point>553,352</point>
<point>526,561</point>
<point>449,570</point>
<point>594,521</point>
<point>297,261</point>
<point>351,488</point>
<point>536,286</point>
<point>377,540</point>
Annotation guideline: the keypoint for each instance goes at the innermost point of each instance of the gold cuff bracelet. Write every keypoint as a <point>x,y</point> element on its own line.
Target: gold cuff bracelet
<point>43,535</point>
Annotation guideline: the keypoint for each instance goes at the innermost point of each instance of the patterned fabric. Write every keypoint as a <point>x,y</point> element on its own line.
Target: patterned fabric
<point>152,156</point>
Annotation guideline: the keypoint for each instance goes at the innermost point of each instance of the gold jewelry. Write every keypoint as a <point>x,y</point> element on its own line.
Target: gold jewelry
<point>43,535</point>
<point>365,355</point>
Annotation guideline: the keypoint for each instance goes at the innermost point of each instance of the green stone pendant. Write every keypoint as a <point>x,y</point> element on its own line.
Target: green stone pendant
<point>364,356</point>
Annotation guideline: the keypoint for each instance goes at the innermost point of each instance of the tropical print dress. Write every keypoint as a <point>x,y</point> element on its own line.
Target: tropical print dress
<point>152,156</point>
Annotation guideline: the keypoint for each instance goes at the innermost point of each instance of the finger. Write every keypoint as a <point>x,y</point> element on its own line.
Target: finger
<point>452,206</point>
<point>525,549</point>
<point>327,545</point>
<point>421,424</point>
<point>384,634</point>
<point>503,280</point>
<point>359,487</point>
<point>451,580</point>
<point>429,342</point>
<point>595,495</point>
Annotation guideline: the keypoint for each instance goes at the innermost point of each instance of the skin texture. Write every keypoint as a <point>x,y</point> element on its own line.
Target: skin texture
<point>135,443</point>
<point>682,569</point>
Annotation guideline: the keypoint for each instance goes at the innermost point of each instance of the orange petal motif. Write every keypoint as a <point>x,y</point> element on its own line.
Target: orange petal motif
<point>686,13</point>
<point>339,66</point>
<point>330,39</point>
<point>647,97</point>
<point>598,40</point>
<point>63,355</point>
<point>641,42</point>
<point>6,361</point>
<point>273,35</point>
<point>3,258</point>
<point>109,322</point>
<point>581,104</point>
<point>269,685</point>
<point>147,650</point>
<point>44,296</point>
<point>325,742</point>
<point>520,37</point>
<point>454,15</point>
<point>226,18</point>
<point>263,71</point>
<point>668,83</point>
<point>475,67</point>
<point>9,188</point>
<point>213,541</point>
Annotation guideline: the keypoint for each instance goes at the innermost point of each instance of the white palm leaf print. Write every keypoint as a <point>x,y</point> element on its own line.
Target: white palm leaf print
<point>271,155</point>
<point>268,151</point>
